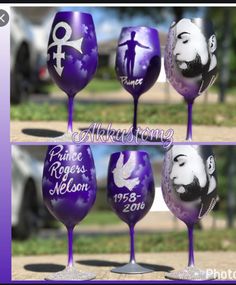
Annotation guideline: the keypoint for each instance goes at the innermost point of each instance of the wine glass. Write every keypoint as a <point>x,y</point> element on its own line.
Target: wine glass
<point>138,62</point>
<point>189,189</point>
<point>130,193</point>
<point>190,60</point>
<point>69,192</point>
<point>72,56</point>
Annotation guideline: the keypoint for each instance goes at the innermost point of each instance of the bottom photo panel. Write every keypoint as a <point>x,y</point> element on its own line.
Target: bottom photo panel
<point>119,212</point>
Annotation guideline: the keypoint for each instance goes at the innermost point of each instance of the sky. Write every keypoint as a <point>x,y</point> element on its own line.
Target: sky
<point>108,25</point>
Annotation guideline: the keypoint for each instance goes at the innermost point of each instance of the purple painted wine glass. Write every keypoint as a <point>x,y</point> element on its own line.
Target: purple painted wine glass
<point>69,192</point>
<point>189,185</point>
<point>138,62</point>
<point>72,55</point>
<point>190,60</point>
<point>130,193</point>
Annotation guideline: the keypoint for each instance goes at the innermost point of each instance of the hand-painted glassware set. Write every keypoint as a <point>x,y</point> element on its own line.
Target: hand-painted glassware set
<point>188,186</point>
<point>190,59</point>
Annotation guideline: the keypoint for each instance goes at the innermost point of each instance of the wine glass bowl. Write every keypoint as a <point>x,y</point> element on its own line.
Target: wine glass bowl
<point>130,193</point>
<point>72,54</point>
<point>138,61</point>
<point>69,192</point>
<point>188,185</point>
<point>190,60</point>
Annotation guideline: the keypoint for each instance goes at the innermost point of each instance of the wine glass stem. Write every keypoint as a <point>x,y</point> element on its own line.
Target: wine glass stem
<point>189,128</point>
<point>132,249</point>
<point>70,113</point>
<point>70,246</point>
<point>191,246</point>
<point>135,116</point>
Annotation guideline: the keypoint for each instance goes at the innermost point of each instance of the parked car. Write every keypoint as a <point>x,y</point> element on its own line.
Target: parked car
<point>23,57</point>
<point>28,210</point>
<point>40,36</point>
<point>28,56</point>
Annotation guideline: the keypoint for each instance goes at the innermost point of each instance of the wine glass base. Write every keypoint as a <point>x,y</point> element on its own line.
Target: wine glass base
<point>190,273</point>
<point>66,137</point>
<point>70,273</point>
<point>131,268</point>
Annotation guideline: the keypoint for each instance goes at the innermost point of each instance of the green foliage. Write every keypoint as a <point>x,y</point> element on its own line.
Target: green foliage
<point>101,217</point>
<point>101,202</point>
<point>223,19</point>
<point>220,17</point>
<point>97,216</point>
<point>99,84</point>
<point>225,156</point>
<point>212,240</point>
<point>204,114</point>
<point>103,85</point>
<point>107,73</point>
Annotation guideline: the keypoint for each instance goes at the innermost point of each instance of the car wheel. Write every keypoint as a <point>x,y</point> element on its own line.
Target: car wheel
<point>28,215</point>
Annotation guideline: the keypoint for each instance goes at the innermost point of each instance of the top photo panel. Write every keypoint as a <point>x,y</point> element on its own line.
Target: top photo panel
<point>127,75</point>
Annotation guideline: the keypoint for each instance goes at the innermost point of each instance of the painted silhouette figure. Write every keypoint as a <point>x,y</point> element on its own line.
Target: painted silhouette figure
<point>130,53</point>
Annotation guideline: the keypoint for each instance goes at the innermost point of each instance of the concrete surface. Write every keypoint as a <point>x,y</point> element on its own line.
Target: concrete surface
<point>38,267</point>
<point>28,131</point>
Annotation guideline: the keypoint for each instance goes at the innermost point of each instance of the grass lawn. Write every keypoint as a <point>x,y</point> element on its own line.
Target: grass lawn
<point>96,85</point>
<point>101,218</point>
<point>95,217</point>
<point>212,240</point>
<point>203,114</point>
<point>99,85</point>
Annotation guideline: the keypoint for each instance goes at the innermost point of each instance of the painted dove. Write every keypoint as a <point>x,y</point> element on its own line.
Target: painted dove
<point>122,172</point>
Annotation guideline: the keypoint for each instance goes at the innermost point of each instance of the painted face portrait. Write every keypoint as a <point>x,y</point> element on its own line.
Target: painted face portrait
<point>189,181</point>
<point>193,51</point>
<point>192,175</point>
<point>190,56</point>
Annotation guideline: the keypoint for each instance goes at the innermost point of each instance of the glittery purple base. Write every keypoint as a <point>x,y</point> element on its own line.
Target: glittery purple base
<point>70,273</point>
<point>191,273</point>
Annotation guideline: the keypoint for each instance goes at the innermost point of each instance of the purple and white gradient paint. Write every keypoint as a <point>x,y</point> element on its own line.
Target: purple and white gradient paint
<point>130,188</point>
<point>189,185</point>
<point>138,61</point>
<point>72,57</point>
<point>190,60</point>
<point>69,185</point>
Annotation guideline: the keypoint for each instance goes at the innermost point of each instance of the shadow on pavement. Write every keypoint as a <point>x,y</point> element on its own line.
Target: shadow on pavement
<point>95,262</point>
<point>42,133</point>
<point>157,267</point>
<point>44,267</point>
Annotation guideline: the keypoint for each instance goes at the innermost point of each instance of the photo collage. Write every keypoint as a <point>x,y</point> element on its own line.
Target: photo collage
<point>119,162</point>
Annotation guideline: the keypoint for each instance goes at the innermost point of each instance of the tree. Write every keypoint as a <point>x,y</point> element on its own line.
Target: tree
<point>225,28</point>
<point>222,18</point>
